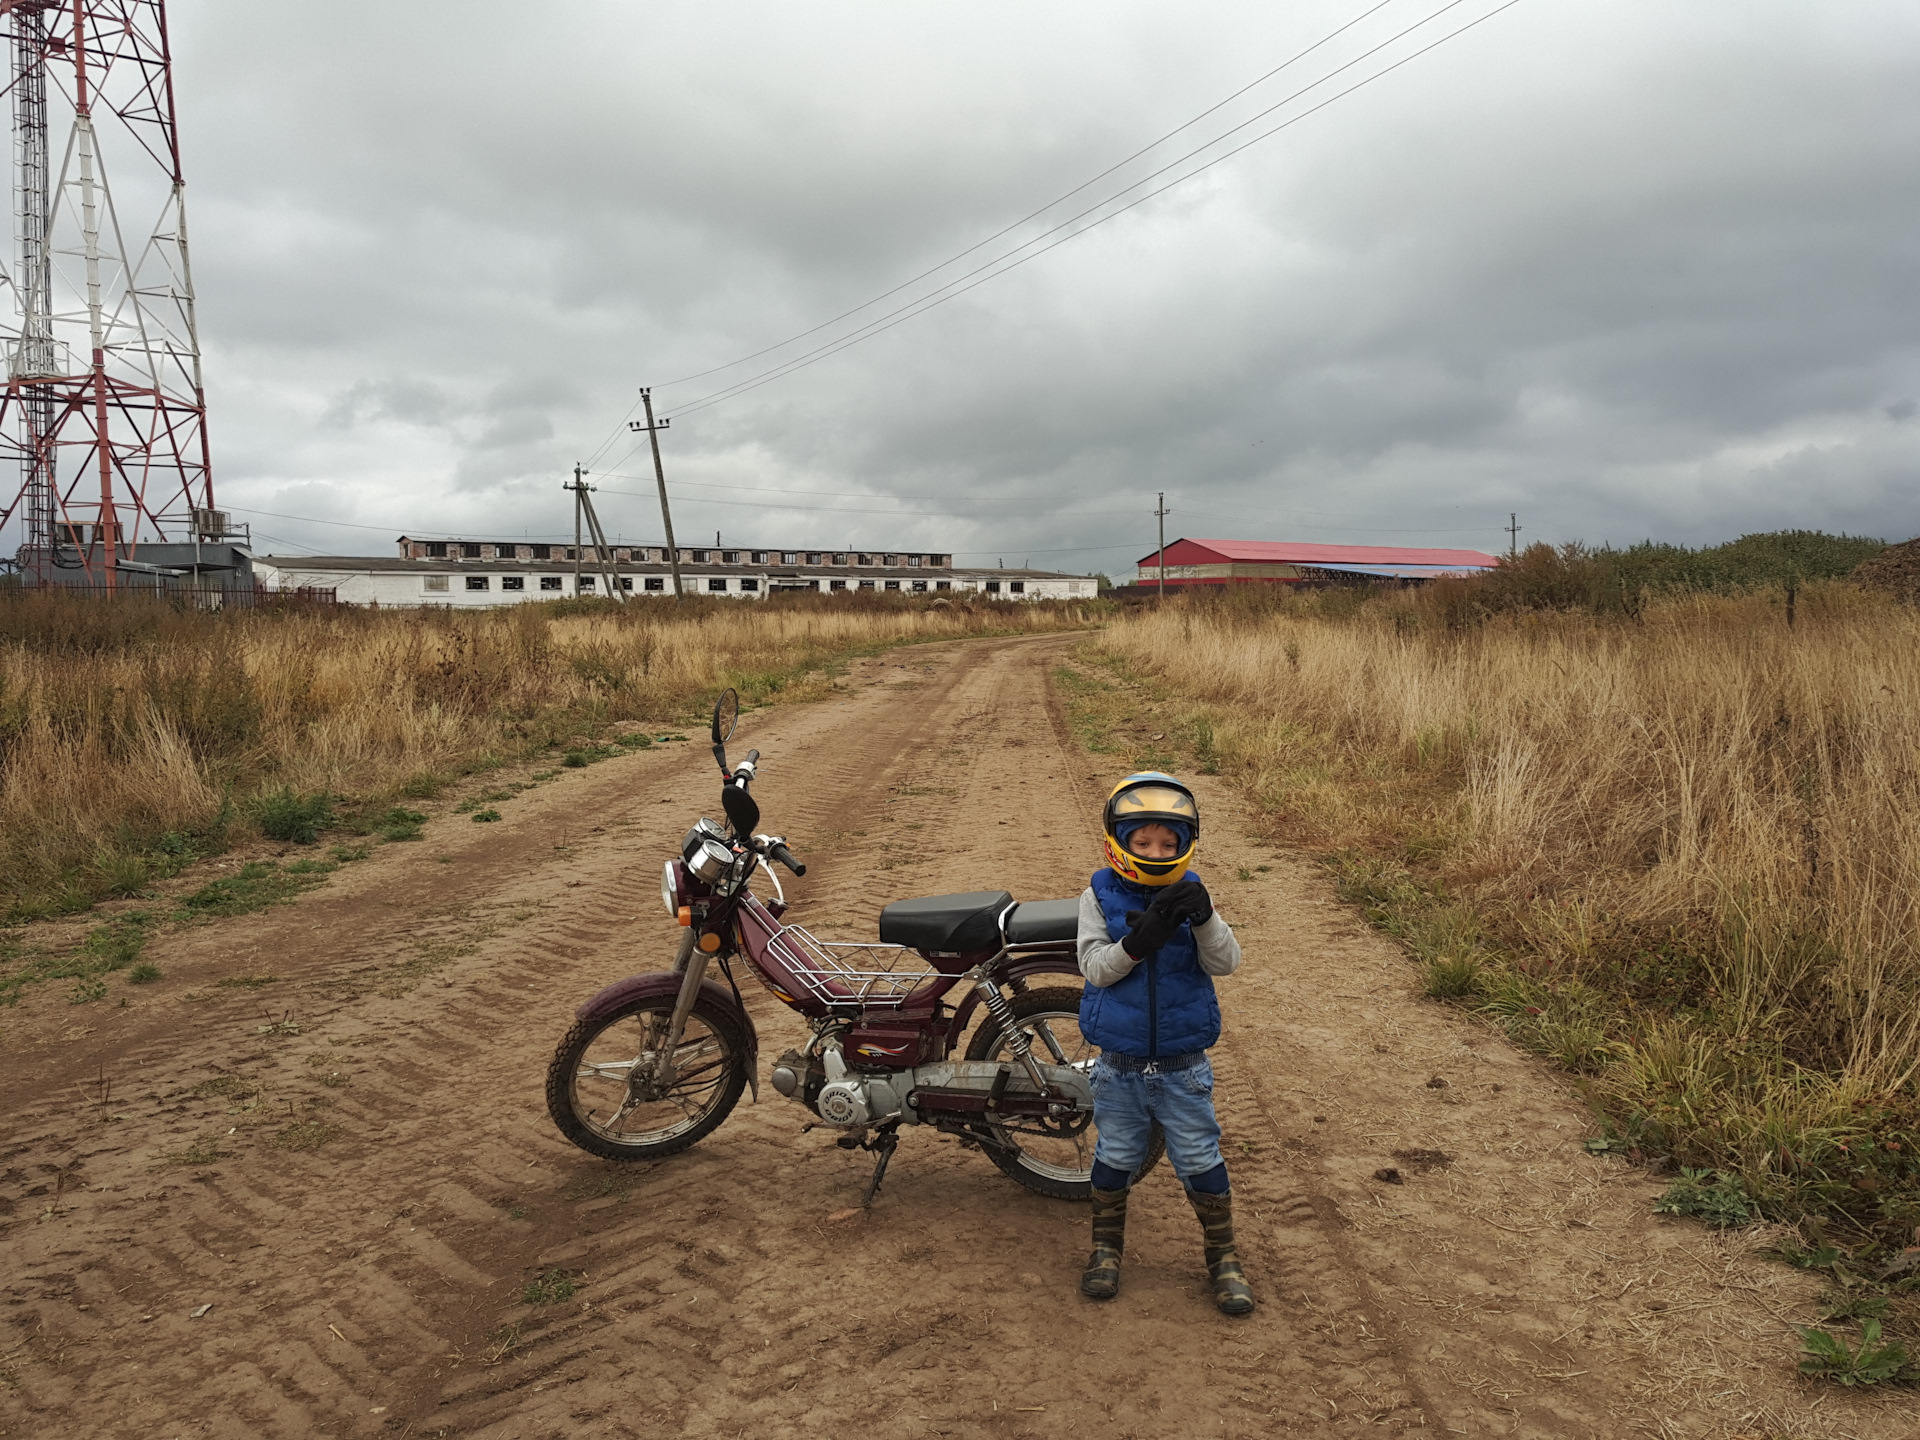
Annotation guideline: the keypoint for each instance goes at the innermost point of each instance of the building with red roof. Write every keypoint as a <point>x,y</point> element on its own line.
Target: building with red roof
<point>1227,562</point>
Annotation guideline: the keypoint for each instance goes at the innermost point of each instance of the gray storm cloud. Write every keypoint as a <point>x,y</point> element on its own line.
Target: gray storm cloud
<point>1627,268</point>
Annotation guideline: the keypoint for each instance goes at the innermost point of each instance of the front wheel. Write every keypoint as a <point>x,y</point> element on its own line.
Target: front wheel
<point>1049,1157</point>
<point>599,1091</point>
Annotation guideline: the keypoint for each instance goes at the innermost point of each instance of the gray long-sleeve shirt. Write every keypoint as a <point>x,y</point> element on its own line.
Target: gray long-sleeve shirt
<point>1105,961</point>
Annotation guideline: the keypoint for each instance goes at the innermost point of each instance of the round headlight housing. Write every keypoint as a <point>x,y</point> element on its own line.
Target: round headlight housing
<point>669,891</point>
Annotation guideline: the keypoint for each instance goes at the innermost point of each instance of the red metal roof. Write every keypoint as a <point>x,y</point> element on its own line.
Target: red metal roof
<point>1287,552</point>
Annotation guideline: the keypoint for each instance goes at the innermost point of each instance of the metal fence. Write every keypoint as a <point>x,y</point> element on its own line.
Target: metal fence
<point>257,597</point>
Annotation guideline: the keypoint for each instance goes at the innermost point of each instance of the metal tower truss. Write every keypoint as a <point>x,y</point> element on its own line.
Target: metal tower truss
<point>104,410</point>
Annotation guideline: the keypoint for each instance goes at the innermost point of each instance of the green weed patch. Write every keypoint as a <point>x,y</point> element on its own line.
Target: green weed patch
<point>256,885</point>
<point>1873,1362</point>
<point>549,1288</point>
<point>399,823</point>
<point>299,819</point>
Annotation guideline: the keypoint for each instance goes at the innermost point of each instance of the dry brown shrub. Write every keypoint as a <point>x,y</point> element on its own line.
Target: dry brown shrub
<point>1700,781</point>
<point>125,723</point>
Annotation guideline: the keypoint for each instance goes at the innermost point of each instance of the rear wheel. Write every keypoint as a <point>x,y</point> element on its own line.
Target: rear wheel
<point>1049,1157</point>
<point>599,1088</point>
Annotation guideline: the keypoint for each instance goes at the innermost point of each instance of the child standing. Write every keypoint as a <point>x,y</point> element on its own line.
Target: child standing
<point>1150,945</point>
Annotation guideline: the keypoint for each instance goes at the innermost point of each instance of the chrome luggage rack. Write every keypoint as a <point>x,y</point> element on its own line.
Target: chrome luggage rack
<point>848,973</point>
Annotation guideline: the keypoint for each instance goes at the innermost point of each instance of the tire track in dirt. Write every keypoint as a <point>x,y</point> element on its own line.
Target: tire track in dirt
<point>371,1285</point>
<point>393,1043</point>
<point>732,1312</point>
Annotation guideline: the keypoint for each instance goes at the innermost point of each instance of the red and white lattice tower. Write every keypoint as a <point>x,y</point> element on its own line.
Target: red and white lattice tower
<point>103,410</point>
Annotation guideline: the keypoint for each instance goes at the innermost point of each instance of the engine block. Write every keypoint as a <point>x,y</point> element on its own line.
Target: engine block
<point>851,1099</point>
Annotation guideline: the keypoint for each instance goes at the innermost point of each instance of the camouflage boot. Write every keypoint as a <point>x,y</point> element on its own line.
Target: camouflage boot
<point>1101,1279</point>
<point>1230,1290</point>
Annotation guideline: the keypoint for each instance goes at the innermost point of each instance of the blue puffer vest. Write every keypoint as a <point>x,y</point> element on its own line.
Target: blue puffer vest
<point>1166,1005</point>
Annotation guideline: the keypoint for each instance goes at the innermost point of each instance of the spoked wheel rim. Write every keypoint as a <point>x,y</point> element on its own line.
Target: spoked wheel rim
<point>1056,1040</point>
<point>607,1101</point>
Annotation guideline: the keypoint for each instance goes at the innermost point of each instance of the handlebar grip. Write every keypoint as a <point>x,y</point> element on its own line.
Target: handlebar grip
<point>753,757</point>
<point>785,857</point>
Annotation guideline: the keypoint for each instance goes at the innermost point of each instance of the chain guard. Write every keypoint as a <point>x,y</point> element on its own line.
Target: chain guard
<point>987,1136</point>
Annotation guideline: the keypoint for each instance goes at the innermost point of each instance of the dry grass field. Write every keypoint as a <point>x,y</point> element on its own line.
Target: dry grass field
<point>293,1174</point>
<point>135,736</point>
<point>1677,851</point>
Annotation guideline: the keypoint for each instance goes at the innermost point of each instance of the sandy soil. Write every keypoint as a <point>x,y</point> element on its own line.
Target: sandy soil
<point>377,1180</point>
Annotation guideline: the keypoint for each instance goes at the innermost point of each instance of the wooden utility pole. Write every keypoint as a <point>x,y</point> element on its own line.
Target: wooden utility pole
<point>604,560</point>
<point>1161,513</point>
<point>1513,536</point>
<point>653,430</point>
<point>579,489</point>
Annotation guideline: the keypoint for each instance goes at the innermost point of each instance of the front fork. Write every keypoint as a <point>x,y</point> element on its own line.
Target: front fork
<point>690,964</point>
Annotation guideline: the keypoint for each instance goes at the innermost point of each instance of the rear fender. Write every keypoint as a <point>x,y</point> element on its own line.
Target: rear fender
<point>666,983</point>
<point>1022,968</point>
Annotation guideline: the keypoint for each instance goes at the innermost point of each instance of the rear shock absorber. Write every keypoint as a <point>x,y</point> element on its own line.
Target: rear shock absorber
<point>1002,1010</point>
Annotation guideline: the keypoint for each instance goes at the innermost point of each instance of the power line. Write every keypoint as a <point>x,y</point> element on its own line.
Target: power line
<point>767,489</point>
<point>1362,524</point>
<point>1034,215</point>
<point>847,509</point>
<point>310,520</point>
<point>999,266</point>
<point>1058,550</point>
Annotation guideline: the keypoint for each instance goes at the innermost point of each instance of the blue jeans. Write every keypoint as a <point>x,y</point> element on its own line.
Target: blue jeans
<point>1127,1102</point>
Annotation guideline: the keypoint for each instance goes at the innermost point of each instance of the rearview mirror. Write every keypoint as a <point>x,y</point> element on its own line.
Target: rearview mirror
<point>726,715</point>
<point>742,811</point>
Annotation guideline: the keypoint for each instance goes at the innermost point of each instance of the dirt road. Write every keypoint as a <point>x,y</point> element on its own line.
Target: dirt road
<point>351,1162</point>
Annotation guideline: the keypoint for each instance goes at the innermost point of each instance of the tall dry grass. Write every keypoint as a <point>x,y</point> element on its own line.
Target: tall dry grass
<point>1681,852</point>
<point>130,726</point>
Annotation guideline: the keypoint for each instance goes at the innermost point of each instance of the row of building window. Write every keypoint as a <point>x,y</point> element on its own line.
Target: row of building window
<point>468,550</point>
<point>716,584</point>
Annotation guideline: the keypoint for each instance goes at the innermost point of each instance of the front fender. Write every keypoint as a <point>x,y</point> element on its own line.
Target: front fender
<point>665,982</point>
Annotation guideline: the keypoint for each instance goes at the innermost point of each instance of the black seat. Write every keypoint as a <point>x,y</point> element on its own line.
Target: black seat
<point>1036,922</point>
<point>946,922</point>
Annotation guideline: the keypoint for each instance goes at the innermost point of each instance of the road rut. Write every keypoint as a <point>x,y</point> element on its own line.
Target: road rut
<point>352,1166</point>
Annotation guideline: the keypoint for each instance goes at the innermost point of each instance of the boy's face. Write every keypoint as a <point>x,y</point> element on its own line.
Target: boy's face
<point>1154,842</point>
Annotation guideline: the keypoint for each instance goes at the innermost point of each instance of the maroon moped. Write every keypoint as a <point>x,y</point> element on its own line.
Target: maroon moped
<point>655,1062</point>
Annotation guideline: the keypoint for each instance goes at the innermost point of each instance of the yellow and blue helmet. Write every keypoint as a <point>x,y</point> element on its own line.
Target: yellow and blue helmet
<point>1149,798</point>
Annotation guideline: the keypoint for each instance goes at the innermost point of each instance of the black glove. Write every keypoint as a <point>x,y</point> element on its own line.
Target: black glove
<point>1186,900</point>
<point>1152,928</point>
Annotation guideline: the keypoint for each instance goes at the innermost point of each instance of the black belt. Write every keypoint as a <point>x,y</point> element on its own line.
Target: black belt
<point>1141,1065</point>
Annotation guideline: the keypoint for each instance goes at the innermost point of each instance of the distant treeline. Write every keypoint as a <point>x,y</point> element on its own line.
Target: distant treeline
<point>1582,577</point>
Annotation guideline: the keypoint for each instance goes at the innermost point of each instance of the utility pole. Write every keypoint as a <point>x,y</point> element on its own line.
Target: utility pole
<point>1513,536</point>
<point>605,562</point>
<point>653,430</point>
<point>1161,513</point>
<point>579,488</point>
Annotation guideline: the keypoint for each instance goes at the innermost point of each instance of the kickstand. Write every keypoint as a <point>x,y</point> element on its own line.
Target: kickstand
<point>886,1142</point>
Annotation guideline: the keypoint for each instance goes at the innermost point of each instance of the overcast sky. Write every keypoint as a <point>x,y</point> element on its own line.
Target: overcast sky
<point>1626,267</point>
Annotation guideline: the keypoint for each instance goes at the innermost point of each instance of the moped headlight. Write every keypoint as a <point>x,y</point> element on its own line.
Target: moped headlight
<point>669,892</point>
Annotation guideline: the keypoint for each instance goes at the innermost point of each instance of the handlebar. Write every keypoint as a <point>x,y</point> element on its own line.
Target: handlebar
<point>743,814</point>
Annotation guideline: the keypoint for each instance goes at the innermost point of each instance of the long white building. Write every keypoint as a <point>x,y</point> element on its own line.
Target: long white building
<point>470,574</point>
